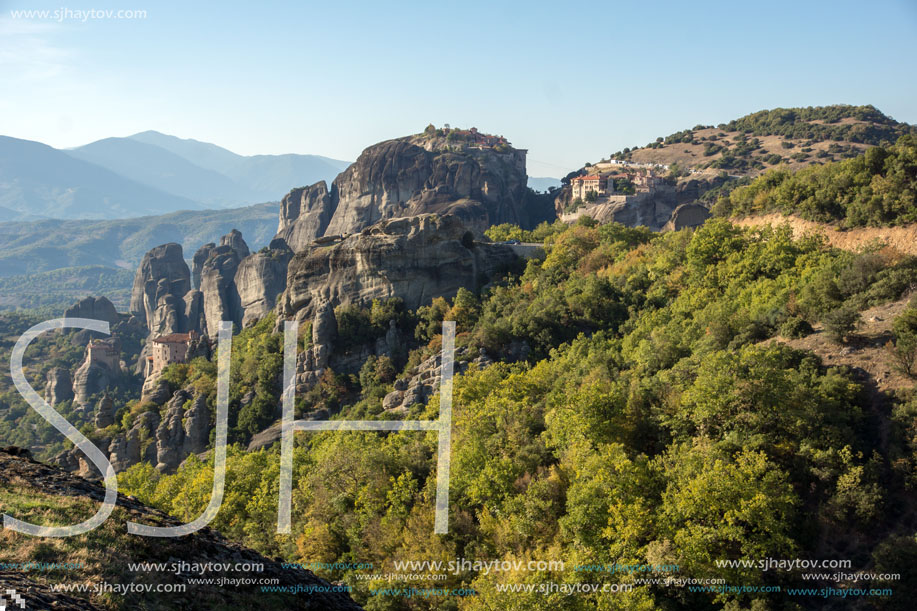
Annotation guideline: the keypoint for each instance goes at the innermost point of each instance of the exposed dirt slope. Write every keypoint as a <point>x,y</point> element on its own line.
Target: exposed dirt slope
<point>866,351</point>
<point>903,239</point>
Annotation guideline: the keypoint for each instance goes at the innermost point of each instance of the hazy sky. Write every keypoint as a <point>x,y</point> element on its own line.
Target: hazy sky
<point>571,82</point>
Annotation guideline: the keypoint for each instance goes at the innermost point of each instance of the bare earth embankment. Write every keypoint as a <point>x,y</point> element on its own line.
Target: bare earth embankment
<point>902,239</point>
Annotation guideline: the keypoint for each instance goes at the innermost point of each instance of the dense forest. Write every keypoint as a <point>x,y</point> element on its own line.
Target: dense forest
<point>877,188</point>
<point>635,412</point>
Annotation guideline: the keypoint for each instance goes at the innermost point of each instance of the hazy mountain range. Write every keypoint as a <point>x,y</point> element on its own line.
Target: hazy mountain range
<point>145,174</point>
<point>58,261</point>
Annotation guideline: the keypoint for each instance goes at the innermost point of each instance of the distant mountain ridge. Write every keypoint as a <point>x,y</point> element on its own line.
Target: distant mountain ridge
<point>268,177</point>
<point>39,181</point>
<point>34,247</point>
<point>145,174</point>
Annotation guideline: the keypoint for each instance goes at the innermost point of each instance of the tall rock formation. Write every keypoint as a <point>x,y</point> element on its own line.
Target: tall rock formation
<point>182,431</point>
<point>231,284</point>
<point>100,369</point>
<point>105,412</point>
<point>221,299</point>
<point>59,386</point>
<point>260,279</point>
<point>96,308</point>
<point>234,240</point>
<point>136,445</point>
<point>479,179</point>
<point>197,263</point>
<point>161,282</point>
<point>416,259</point>
<point>304,215</point>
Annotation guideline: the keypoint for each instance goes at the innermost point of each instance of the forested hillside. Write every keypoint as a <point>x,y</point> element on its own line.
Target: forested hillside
<point>633,413</point>
<point>796,137</point>
<point>877,188</point>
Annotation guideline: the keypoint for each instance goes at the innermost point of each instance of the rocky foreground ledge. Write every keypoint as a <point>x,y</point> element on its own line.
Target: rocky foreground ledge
<point>41,493</point>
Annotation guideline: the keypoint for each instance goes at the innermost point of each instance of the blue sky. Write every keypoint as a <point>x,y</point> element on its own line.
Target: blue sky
<point>571,83</point>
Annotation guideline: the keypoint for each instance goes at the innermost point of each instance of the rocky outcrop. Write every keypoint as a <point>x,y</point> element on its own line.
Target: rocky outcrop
<point>182,431</point>
<point>220,296</point>
<point>197,263</point>
<point>170,435</point>
<point>96,308</point>
<point>155,390</point>
<point>90,379</point>
<point>304,215</point>
<point>160,284</point>
<point>687,215</point>
<point>65,491</point>
<point>234,240</point>
<point>105,412</point>
<point>59,386</point>
<point>137,445</point>
<point>416,259</point>
<point>260,279</point>
<point>416,175</point>
<point>195,318</point>
<point>196,427</point>
<point>423,381</point>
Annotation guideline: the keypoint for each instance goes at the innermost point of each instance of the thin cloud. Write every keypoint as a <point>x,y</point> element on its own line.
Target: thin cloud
<point>27,52</point>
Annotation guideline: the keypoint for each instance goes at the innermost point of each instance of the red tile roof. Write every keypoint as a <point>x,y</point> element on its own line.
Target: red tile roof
<point>173,338</point>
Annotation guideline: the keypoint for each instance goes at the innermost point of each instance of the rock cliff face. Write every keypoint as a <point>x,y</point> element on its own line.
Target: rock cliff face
<point>59,386</point>
<point>197,263</point>
<point>687,215</point>
<point>220,297</point>
<point>161,282</point>
<point>137,444</point>
<point>423,381</point>
<point>304,215</point>
<point>182,431</point>
<point>416,259</point>
<point>92,378</point>
<point>260,279</point>
<point>97,308</point>
<point>231,284</point>
<point>412,176</point>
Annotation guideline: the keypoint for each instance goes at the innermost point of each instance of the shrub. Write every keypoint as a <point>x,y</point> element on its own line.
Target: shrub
<point>841,322</point>
<point>904,350</point>
<point>795,327</point>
